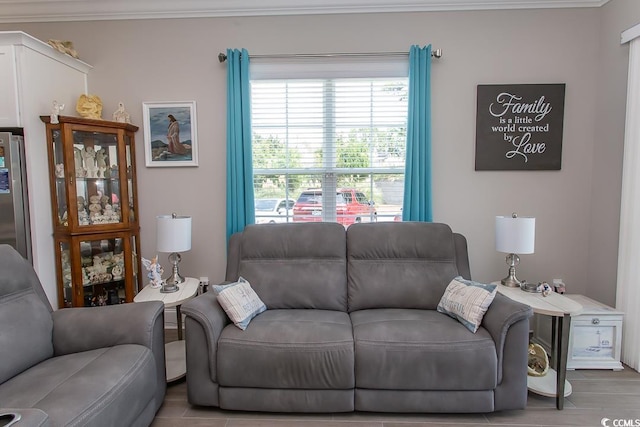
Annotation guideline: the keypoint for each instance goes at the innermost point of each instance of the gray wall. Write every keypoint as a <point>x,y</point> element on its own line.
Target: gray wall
<point>576,208</point>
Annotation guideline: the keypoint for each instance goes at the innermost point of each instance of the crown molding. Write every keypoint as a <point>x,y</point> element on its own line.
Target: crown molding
<point>17,11</point>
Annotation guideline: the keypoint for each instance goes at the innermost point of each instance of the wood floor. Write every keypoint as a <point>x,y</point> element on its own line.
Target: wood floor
<point>597,394</point>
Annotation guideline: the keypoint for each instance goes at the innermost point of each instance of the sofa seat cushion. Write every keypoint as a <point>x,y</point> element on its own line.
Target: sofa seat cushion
<point>413,349</point>
<point>289,349</point>
<point>108,386</point>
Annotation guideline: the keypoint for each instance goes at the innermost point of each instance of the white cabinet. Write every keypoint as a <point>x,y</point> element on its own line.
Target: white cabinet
<point>595,337</point>
<point>8,88</point>
<point>32,76</point>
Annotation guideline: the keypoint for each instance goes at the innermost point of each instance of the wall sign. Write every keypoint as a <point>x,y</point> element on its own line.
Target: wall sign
<point>519,127</point>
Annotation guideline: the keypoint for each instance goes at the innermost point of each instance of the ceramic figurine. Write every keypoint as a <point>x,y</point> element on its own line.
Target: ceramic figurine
<point>121,115</point>
<point>59,170</point>
<point>77,160</point>
<point>89,158</point>
<point>89,107</point>
<point>101,162</point>
<point>117,272</point>
<point>55,112</point>
<point>155,271</point>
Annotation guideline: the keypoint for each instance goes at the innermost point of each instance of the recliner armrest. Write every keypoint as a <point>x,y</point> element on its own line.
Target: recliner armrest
<point>82,329</point>
<point>501,315</point>
<point>205,310</point>
<point>210,316</point>
<point>27,417</point>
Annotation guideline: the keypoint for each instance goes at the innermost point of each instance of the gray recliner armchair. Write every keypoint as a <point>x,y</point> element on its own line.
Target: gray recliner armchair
<point>99,366</point>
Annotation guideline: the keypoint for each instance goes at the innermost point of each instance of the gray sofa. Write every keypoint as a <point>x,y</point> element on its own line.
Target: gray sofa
<point>99,366</point>
<point>352,325</point>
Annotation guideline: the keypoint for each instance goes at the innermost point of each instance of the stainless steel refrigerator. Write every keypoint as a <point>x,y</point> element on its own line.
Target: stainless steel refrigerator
<point>14,201</point>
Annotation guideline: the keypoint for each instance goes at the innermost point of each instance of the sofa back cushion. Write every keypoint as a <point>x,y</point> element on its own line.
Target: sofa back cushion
<point>25,316</point>
<point>293,265</point>
<point>401,265</point>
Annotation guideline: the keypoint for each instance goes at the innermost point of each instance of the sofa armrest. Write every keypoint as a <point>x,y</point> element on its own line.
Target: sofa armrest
<point>501,315</point>
<point>205,320</point>
<point>24,417</point>
<point>205,310</point>
<point>82,329</point>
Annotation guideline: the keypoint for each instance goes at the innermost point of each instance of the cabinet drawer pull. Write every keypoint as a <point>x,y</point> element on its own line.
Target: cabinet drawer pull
<point>595,321</point>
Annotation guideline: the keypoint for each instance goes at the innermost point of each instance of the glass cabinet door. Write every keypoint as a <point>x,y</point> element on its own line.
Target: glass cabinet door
<point>103,271</point>
<point>136,262</point>
<point>130,184</point>
<point>98,190</point>
<point>67,273</point>
<point>60,187</point>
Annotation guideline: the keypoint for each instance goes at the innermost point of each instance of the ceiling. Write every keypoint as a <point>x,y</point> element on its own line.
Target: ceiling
<point>12,11</point>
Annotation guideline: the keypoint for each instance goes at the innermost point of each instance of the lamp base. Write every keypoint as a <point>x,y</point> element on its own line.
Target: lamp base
<point>168,289</point>
<point>511,280</point>
<point>171,284</point>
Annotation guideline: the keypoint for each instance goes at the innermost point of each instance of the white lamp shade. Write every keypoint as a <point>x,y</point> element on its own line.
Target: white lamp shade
<point>515,235</point>
<point>173,234</point>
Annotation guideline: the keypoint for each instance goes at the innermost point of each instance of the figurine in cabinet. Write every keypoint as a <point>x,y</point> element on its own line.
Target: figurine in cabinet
<point>116,271</point>
<point>77,159</point>
<point>95,208</point>
<point>60,170</point>
<point>101,162</point>
<point>89,159</point>
<point>81,204</point>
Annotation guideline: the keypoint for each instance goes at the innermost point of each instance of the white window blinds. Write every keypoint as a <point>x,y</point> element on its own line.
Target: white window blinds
<point>342,136</point>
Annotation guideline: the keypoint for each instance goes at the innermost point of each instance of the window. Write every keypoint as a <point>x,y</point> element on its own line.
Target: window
<point>342,136</point>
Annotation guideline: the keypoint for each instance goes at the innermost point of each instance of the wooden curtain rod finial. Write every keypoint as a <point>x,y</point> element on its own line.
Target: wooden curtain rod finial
<point>222,57</point>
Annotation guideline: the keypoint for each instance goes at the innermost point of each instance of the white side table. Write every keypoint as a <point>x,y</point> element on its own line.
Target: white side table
<point>595,339</point>
<point>560,308</point>
<point>174,351</point>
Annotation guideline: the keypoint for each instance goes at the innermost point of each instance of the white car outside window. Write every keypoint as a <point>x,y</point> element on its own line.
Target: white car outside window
<point>273,210</point>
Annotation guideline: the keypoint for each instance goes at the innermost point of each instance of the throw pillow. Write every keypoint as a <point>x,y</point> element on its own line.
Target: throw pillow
<point>467,301</point>
<point>240,302</point>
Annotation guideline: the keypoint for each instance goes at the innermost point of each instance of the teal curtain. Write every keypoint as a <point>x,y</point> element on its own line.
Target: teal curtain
<point>417,179</point>
<point>240,205</point>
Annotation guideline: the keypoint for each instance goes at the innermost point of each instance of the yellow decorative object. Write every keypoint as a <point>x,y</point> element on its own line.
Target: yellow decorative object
<point>538,363</point>
<point>63,46</point>
<point>89,107</point>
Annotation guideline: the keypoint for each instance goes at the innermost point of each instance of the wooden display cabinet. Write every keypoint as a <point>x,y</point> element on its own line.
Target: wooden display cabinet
<point>95,210</point>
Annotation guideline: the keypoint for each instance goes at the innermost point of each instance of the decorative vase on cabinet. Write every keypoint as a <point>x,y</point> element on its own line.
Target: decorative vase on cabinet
<point>95,212</point>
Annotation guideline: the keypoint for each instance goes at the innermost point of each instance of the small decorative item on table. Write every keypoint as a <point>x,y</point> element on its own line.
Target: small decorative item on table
<point>538,363</point>
<point>155,272</point>
<point>541,288</point>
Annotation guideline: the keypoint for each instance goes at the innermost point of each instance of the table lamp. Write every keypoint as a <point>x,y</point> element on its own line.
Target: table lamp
<point>514,235</point>
<point>173,235</point>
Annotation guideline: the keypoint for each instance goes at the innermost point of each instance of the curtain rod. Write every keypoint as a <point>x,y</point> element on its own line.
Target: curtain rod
<point>436,53</point>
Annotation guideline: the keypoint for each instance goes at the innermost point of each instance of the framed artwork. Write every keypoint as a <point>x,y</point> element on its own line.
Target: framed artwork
<point>170,138</point>
<point>519,126</point>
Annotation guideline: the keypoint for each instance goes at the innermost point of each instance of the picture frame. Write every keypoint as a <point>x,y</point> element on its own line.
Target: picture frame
<point>519,127</point>
<point>170,134</point>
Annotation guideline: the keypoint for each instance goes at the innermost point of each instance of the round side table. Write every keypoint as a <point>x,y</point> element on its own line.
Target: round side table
<point>174,351</point>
